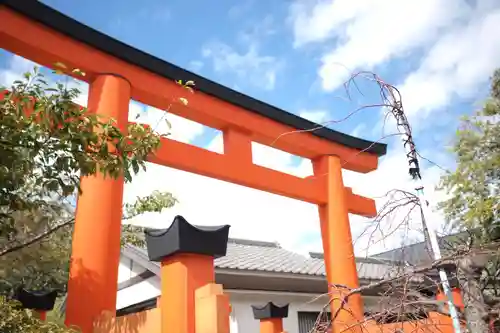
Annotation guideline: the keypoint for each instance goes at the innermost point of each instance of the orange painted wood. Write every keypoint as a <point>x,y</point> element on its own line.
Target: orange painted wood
<point>436,323</point>
<point>148,321</point>
<point>235,166</point>
<point>360,205</point>
<point>212,309</point>
<point>93,275</point>
<point>187,157</point>
<point>271,325</point>
<point>181,276</point>
<point>238,146</point>
<point>293,187</point>
<point>46,47</point>
<point>338,249</point>
<point>42,315</point>
<point>457,298</point>
<point>95,253</point>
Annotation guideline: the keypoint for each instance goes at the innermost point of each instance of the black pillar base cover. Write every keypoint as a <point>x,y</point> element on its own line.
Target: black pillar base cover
<point>182,237</point>
<point>270,310</point>
<point>36,300</point>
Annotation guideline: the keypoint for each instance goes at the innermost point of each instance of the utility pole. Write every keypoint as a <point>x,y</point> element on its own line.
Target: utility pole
<point>428,225</point>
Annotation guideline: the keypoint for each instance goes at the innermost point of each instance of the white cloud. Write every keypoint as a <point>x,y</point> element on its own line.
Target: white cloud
<point>359,129</point>
<point>459,50</point>
<point>249,66</point>
<point>393,174</point>
<point>252,214</point>
<point>452,51</point>
<point>162,122</point>
<point>245,61</point>
<point>256,31</point>
<point>16,67</point>
<point>368,33</point>
<point>195,65</point>
<point>258,215</point>
<point>238,11</point>
<point>158,13</point>
<point>317,116</point>
<point>456,66</point>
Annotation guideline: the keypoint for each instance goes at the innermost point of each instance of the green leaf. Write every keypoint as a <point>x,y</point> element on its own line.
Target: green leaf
<point>40,169</point>
<point>78,71</point>
<point>473,197</point>
<point>135,165</point>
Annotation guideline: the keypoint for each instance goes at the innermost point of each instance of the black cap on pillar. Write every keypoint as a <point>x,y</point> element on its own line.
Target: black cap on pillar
<point>270,310</point>
<point>36,300</point>
<point>182,237</point>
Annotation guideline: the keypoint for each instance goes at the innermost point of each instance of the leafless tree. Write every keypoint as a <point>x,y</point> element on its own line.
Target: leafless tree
<point>408,292</point>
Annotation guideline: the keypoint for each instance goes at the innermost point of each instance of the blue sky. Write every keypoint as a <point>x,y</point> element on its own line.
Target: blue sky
<point>181,33</point>
<point>184,34</point>
<point>295,54</point>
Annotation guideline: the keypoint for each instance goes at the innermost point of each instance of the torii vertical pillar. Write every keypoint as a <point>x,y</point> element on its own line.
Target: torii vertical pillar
<point>338,250</point>
<point>95,253</point>
<point>186,253</point>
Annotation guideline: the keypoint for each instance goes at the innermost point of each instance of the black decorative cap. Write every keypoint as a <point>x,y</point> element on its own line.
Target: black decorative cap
<point>36,300</point>
<point>270,310</point>
<point>182,237</point>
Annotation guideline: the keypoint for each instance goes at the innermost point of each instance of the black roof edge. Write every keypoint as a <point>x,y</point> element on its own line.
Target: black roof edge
<point>52,18</point>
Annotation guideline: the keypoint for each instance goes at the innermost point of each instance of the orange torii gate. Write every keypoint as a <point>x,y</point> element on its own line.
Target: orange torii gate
<point>117,73</point>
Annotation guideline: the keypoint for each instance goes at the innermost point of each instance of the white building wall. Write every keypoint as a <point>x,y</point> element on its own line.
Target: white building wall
<point>242,302</point>
<point>242,320</point>
<point>127,269</point>
<point>139,292</point>
<point>124,269</point>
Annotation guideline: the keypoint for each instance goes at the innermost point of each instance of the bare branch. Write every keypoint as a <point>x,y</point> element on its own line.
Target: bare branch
<point>38,237</point>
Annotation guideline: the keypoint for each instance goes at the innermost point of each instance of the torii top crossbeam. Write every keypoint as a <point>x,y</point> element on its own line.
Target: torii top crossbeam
<point>117,73</point>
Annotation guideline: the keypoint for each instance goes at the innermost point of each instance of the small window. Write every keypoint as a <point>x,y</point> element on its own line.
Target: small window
<point>307,321</point>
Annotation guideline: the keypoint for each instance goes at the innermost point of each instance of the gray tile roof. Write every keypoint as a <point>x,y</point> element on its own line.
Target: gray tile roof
<point>267,257</point>
<point>248,255</point>
<point>418,254</point>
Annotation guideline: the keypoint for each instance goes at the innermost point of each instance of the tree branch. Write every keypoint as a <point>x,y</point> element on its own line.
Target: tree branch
<point>408,275</point>
<point>36,238</point>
